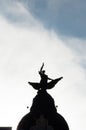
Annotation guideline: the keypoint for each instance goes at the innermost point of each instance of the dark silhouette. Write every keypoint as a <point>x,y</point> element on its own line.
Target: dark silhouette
<point>44,84</point>
<point>43,106</point>
<point>43,114</point>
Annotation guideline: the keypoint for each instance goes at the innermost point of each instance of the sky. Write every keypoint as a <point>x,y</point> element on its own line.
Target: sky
<point>37,31</point>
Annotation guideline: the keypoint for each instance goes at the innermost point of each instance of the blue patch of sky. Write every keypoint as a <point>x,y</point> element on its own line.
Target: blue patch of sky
<point>68,19</point>
<point>37,7</point>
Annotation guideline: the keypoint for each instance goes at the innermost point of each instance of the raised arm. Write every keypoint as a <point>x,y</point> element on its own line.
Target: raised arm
<point>41,67</point>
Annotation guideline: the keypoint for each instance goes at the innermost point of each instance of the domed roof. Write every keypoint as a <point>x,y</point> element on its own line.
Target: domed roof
<point>43,114</point>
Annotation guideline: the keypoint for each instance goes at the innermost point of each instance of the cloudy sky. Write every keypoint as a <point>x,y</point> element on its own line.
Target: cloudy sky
<point>49,31</point>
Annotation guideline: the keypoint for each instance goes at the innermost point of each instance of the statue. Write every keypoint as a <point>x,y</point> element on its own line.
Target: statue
<point>43,114</point>
<point>44,84</point>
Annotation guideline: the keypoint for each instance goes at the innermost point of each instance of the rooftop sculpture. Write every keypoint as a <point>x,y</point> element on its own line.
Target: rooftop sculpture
<point>43,114</point>
<point>44,84</point>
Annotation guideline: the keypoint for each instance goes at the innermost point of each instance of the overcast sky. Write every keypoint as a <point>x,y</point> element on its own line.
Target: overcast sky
<point>49,31</point>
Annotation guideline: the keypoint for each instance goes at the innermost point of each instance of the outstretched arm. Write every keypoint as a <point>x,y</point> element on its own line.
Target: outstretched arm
<point>41,67</point>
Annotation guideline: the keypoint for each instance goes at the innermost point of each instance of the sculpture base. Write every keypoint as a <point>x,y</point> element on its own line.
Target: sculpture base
<point>43,115</point>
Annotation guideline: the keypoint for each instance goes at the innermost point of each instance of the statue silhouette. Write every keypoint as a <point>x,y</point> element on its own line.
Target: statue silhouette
<point>44,84</point>
<point>44,77</point>
<point>43,114</point>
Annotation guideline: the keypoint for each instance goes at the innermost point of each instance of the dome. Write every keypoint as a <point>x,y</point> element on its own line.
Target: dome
<point>43,115</point>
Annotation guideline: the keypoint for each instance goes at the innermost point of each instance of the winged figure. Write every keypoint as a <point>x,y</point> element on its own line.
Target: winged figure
<point>44,84</point>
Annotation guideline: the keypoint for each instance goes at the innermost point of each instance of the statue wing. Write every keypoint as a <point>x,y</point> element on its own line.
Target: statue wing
<point>35,85</point>
<point>52,83</point>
